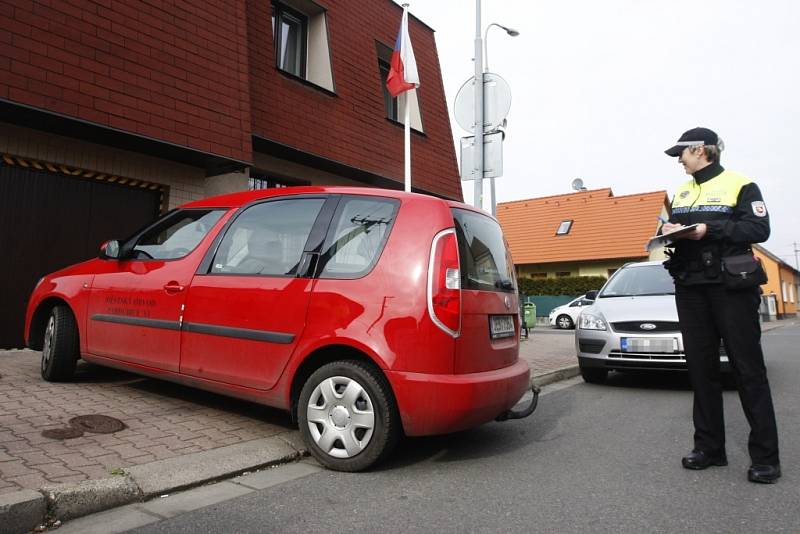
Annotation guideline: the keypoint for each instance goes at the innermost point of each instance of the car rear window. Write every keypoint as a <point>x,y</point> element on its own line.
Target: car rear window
<point>485,262</point>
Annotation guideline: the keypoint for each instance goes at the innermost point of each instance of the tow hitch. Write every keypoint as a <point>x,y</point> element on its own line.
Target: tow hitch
<point>524,412</point>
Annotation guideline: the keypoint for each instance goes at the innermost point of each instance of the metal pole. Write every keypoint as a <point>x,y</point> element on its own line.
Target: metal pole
<point>796,250</point>
<point>407,142</point>
<point>478,147</point>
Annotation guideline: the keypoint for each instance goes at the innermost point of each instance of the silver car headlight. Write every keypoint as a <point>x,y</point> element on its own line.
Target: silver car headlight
<point>592,321</point>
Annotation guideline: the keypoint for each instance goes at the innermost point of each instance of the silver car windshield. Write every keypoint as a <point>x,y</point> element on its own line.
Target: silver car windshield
<point>639,281</point>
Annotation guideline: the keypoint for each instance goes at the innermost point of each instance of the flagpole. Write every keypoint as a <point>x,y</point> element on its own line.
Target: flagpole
<point>406,121</point>
<point>407,129</point>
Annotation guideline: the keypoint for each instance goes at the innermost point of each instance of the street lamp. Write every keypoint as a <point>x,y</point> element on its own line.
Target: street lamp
<point>513,33</point>
<point>477,158</point>
<point>510,31</point>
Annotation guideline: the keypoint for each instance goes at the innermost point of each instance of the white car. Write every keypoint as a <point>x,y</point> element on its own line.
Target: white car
<point>566,315</point>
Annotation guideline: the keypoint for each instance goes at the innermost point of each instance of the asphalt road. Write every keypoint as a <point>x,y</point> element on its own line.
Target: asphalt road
<point>591,459</point>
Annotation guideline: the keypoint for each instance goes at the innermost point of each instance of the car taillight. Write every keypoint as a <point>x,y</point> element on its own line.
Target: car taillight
<point>444,283</point>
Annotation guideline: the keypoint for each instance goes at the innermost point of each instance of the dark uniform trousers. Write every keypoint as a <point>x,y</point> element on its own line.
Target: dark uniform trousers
<point>706,313</point>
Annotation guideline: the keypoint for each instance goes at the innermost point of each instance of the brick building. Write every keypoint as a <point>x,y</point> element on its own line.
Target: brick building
<point>112,112</point>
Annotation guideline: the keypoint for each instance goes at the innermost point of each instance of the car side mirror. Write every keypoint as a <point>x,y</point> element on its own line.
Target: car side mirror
<point>591,295</point>
<point>110,250</point>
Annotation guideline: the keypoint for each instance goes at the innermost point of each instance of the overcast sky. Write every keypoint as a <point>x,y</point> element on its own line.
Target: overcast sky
<point>600,89</point>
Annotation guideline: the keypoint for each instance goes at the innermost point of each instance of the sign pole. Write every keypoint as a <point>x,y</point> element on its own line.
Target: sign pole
<point>478,147</point>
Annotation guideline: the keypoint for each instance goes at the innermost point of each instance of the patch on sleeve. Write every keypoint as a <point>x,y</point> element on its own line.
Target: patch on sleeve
<point>759,209</point>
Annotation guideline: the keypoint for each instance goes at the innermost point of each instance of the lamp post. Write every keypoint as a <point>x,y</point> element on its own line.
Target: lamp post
<point>513,33</point>
<point>479,106</point>
<point>478,147</point>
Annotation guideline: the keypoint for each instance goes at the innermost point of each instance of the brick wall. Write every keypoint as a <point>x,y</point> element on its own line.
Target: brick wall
<point>174,71</point>
<point>351,127</point>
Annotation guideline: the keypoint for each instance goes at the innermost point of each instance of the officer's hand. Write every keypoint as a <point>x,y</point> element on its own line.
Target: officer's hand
<point>669,227</point>
<point>698,233</point>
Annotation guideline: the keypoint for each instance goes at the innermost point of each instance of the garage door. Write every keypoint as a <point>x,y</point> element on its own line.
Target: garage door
<point>49,220</point>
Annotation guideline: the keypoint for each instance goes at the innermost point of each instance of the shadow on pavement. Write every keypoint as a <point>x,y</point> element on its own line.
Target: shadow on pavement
<point>88,373</point>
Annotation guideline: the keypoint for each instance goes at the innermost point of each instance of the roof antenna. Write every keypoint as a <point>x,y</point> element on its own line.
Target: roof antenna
<point>577,185</point>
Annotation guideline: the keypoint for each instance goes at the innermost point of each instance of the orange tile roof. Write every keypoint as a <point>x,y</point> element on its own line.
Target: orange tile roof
<point>604,226</point>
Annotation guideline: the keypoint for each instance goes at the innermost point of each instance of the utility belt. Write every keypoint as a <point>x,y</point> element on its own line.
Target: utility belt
<point>739,271</point>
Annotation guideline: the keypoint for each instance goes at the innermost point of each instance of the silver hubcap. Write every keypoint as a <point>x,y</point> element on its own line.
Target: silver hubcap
<point>563,322</point>
<point>47,349</point>
<point>340,416</point>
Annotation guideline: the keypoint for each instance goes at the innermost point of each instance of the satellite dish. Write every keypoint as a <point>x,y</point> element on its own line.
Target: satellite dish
<point>577,185</point>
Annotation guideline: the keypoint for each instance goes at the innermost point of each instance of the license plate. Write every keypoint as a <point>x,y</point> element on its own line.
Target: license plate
<point>501,326</point>
<point>665,345</point>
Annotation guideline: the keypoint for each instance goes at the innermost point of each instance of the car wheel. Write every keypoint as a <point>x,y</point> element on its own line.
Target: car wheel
<point>564,322</point>
<point>60,345</point>
<point>594,375</point>
<point>348,416</point>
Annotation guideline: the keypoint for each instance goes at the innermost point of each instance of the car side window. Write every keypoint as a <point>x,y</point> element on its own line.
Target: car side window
<point>176,235</point>
<point>359,231</point>
<point>268,238</point>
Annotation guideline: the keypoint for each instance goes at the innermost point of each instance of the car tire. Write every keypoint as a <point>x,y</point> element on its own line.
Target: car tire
<point>60,349</point>
<point>348,416</point>
<point>564,322</point>
<point>594,375</point>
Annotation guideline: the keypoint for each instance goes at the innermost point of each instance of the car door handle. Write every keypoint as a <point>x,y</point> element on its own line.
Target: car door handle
<point>173,287</point>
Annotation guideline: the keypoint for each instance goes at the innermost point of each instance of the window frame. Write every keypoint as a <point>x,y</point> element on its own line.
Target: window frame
<point>329,235</point>
<point>388,99</point>
<point>127,249</point>
<point>278,10</point>
<point>569,223</point>
<point>313,242</point>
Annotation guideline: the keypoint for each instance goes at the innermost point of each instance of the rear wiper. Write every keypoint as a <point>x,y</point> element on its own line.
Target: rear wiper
<point>504,284</point>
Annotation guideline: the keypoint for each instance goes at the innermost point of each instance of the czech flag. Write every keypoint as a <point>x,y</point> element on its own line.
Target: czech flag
<point>403,74</point>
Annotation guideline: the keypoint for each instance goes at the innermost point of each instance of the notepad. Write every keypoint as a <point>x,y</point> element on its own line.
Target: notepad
<point>668,238</point>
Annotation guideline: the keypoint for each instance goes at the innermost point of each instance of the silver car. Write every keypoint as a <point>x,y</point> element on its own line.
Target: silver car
<point>633,324</point>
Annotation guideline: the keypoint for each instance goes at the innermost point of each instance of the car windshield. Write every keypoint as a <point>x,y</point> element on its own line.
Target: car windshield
<point>639,281</point>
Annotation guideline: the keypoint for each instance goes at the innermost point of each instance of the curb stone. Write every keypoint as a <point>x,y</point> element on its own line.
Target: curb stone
<point>557,375</point>
<point>21,511</point>
<point>68,501</point>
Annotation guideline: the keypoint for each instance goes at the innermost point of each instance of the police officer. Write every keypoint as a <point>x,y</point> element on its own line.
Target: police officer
<point>731,215</point>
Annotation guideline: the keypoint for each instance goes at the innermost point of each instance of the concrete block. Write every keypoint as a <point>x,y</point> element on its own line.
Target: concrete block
<point>21,511</point>
<point>165,476</point>
<point>67,501</point>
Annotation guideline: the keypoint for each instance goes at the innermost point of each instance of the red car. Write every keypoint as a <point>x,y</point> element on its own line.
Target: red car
<point>366,313</point>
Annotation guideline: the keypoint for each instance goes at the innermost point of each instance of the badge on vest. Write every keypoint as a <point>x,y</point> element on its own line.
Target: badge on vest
<point>684,194</point>
<point>759,208</point>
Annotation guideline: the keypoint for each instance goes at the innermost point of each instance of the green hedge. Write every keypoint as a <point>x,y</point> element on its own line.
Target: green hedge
<point>568,285</point>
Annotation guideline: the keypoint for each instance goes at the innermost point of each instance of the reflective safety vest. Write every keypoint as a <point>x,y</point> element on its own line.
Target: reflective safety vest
<point>718,195</point>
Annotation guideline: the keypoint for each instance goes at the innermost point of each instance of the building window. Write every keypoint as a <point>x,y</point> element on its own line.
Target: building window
<point>564,227</point>
<point>300,32</point>
<point>263,181</point>
<point>784,293</point>
<point>390,104</point>
<point>562,274</point>
<point>290,29</point>
<point>538,275</point>
<point>394,108</point>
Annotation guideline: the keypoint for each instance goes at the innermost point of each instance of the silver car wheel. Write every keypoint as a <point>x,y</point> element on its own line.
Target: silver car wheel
<point>47,349</point>
<point>341,417</point>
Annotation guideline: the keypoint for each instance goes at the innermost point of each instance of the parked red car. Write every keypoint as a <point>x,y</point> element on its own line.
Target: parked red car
<point>366,313</point>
